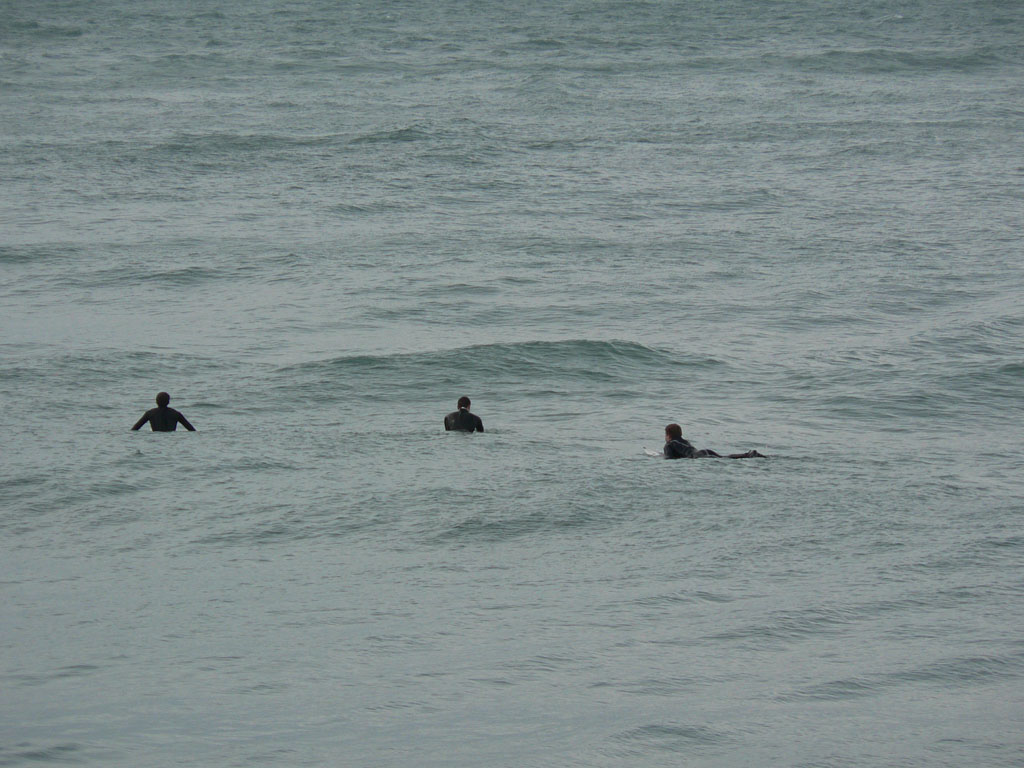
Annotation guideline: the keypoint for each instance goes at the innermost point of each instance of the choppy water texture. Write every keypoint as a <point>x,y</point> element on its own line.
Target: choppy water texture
<point>788,226</point>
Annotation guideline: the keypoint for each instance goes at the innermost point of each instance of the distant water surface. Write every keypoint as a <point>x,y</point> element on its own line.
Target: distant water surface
<point>784,226</point>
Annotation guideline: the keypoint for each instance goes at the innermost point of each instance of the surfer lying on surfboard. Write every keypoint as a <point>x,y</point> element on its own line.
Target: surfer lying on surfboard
<point>678,448</point>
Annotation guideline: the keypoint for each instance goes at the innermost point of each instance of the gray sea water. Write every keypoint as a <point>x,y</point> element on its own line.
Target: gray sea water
<point>790,226</point>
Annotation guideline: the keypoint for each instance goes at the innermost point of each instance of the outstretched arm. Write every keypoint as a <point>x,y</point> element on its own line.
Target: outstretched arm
<point>140,422</point>
<point>184,422</point>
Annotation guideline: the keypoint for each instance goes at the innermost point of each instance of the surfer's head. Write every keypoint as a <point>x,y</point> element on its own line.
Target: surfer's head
<point>673,432</point>
<point>464,402</point>
<point>163,399</point>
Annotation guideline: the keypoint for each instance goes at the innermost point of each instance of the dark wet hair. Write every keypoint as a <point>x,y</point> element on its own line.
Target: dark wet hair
<point>463,402</point>
<point>674,431</point>
<point>163,399</point>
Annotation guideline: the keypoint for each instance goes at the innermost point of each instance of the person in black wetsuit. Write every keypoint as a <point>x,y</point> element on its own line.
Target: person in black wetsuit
<point>162,418</point>
<point>462,420</point>
<point>678,448</point>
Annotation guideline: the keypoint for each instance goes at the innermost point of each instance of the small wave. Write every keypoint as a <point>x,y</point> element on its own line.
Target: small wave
<point>537,663</point>
<point>28,754</point>
<point>670,737</point>
<point>834,689</point>
<point>183,276</point>
<point>561,144</point>
<point>410,133</point>
<point>227,143</point>
<point>103,278</point>
<point>98,367</point>
<point>277,529</point>
<point>35,254</point>
<point>793,625</point>
<point>962,671</point>
<point>967,670</point>
<point>43,31</point>
<point>529,361</point>
<point>484,528</point>
<point>543,43</point>
<point>884,60</point>
<point>459,289</point>
<point>660,686</point>
<point>374,206</point>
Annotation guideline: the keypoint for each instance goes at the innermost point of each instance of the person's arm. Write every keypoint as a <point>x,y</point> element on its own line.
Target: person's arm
<point>184,422</point>
<point>479,424</point>
<point>140,422</point>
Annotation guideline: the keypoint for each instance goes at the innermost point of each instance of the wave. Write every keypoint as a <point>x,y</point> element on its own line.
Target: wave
<point>130,276</point>
<point>960,671</point>
<point>37,254</point>
<point>28,752</point>
<point>43,31</point>
<point>672,738</point>
<point>222,142</point>
<point>948,371</point>
<point>885,60</point>
<point>230,144</point>
<point>529,366</point>
<point>95,368</point>
<point>527,361</point>
<point>409,133</point>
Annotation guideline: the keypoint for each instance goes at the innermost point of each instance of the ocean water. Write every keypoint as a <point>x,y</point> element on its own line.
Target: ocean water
<point>789,226</point>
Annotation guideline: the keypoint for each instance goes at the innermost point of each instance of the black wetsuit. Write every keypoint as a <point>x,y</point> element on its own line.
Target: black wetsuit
<point>463,421</point>
<point>678,448</point>
<point>164,419</point>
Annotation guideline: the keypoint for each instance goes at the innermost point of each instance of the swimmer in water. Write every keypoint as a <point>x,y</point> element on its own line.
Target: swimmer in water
<point>462,420</point>
<point>162,418</point>
<point>678,448</point>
